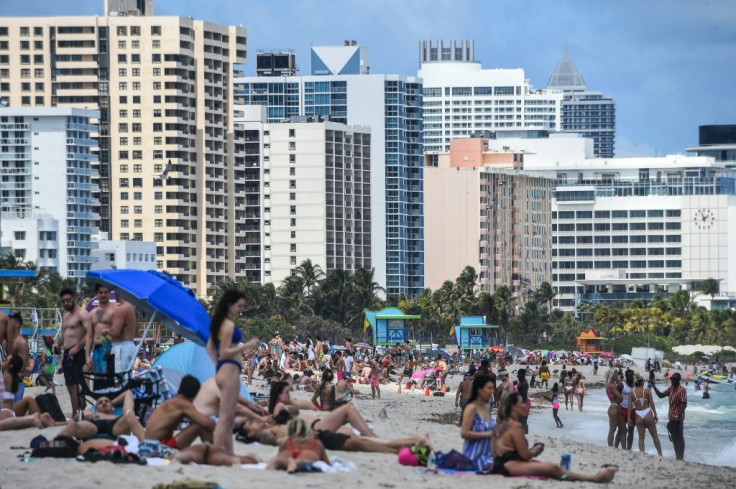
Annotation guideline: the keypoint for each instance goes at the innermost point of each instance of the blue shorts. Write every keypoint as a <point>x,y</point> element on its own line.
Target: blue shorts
<point>347,374</point>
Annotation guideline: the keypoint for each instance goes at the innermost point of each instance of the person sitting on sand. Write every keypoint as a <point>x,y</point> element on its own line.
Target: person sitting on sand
<point>280,399</point>
<point>645,413</point>
<point>171,412</point>
<point>208,454</point>
<point>12,372</point>
<point>477,423</point>
<point>512,455</point>
<point>298,449</point>
<point>326,397</point>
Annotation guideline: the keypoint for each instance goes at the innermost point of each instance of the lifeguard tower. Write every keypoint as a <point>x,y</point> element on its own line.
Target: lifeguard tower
<point>388,325</point>
<point>473,333</point>
<point>588,341</point>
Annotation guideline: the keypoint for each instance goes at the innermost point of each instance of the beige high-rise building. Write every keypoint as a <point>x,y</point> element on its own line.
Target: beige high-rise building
<point>482,209</point>
<point>163,86</point>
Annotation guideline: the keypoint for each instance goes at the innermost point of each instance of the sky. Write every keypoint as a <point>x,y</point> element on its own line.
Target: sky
<point>669,64</point>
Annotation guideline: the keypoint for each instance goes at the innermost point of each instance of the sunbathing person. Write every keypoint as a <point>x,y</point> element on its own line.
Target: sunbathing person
<point>104,422</point>
<point>208,454</point>
<point>280,399</point>
<point>332,435</point>
<point>512,455</point>
<point>207,402</point>
<point>298,449</point>
<point>170,413</point>
<point>39,420</point>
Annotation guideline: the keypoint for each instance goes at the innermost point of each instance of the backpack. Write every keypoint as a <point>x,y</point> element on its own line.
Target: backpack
<point>453,460</point>
<point>48,403</point>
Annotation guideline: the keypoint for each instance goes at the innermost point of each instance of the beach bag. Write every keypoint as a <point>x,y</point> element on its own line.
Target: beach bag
<point>453,460</point>
<point>59,447</point>
<point>48,403</point>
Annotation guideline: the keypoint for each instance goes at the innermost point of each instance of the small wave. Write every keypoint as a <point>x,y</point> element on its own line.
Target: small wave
<point>727,456</point>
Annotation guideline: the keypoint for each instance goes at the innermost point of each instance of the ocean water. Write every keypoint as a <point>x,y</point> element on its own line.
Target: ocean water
<point>710,424</point>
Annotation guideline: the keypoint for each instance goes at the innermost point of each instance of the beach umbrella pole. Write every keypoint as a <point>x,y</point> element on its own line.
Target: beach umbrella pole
<point>143,338</point>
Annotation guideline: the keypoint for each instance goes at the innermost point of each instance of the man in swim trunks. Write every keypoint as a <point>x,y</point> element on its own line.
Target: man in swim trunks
<point>170,413</point>
<point>122,332</point>
<point>103,422</point>
<point>98,344</point>
<point>677,395</point>
<point>544,374</point>
<point>74,326</point>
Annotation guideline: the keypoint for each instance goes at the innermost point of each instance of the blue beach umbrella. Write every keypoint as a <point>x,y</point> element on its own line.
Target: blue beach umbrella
<point>188,358</point>
<point>162,297</point>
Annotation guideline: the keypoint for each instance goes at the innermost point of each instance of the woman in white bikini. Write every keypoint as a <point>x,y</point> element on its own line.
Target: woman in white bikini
<point>645,414</point>
<point>580,390</point>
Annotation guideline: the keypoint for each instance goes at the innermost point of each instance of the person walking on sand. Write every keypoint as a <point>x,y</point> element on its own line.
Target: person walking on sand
<point>644,414</point>
<point>556,405</point>
<point>512,455</point>
<point>226,350</point>
<point>74,326</point>
<point>677,395</point>
<point>580,390</point>
<point>544,374</point>
<point>375,379</point>
<point>462,395</point>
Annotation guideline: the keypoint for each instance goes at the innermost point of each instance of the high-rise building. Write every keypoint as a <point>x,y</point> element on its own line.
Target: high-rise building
<point>391,105</point>
<point>717,141</point>
<point>591,114</point>
<point>462,99</point>
<point>162,88</point>
<point>315,197</point>
<point>633,228</point>
<point>46,158</point>
<point>484,210</point>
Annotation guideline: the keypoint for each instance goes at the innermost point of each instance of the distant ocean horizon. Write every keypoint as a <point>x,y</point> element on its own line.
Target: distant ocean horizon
<point>710,424</point>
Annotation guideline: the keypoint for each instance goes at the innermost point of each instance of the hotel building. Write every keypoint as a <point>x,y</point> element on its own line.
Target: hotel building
<point>162,86</point>
<point>46,202</point>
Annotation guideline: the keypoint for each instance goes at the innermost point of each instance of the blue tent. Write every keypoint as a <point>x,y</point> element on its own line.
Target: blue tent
<point>188,358</point>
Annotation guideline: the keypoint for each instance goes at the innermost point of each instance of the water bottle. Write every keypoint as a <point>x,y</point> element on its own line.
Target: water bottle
<point>431,461</point>
<point>565,461</point>
<point>163,384</point>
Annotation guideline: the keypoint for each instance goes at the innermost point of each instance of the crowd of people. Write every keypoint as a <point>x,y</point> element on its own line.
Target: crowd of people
<point>494,409</point>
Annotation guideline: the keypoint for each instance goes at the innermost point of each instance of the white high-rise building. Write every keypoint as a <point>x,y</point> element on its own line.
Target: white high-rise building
<point>46,158</point>
<point>315,198</point>
<point>462,99</point>
<point>634,228</point>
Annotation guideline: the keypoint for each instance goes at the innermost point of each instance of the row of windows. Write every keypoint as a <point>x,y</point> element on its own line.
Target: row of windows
<point>138,209</point>
<point>674,238</point>
<point>569,265</point>
<point>615,214</point>
<point>616,251</point>
<point>617,226</point>
<point>470,91</point>
<point>138,223</point>
<point>137,72</point>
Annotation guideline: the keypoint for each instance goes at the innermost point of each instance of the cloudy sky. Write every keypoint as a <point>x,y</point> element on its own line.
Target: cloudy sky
<point>669,64</point>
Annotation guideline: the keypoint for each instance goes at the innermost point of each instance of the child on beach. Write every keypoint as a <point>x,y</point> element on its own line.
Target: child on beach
<point>556,404</point>
<point>375,379</point>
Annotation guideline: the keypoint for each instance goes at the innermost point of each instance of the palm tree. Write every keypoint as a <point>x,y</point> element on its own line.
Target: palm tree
<point>311,274</point>
<point>545,294</point>
<point>503,300</point>
<point>709,287</point>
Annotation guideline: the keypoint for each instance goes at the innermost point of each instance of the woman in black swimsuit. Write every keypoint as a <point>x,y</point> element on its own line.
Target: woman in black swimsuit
<point>512,455</point>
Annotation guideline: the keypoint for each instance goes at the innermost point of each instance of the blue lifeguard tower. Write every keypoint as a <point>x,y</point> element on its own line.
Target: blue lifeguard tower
<point>388,325</point>
<point>473,333</point>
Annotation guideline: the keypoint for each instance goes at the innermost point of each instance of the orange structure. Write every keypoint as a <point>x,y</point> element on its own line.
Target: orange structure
<point>589,341</point>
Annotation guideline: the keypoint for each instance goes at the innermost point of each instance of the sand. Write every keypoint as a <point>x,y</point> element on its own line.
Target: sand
<point>407,415</point>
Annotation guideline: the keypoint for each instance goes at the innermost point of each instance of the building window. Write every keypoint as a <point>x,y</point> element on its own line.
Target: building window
<point>123,209</point>
<point>292,247</point>
<point>123,141</point>
<point>122,155</point>
<point>123,183</point>
<point>124,236</point>
<point>20,235</point>
<point>124,223</point>
<point>138,209</point>
<point>292,196</point>
<point>137,182</point>
<point>137,168</point>
<point>124,168</point>
<point>138,223</point>
<point>292,145</point>
<point>293,222</point>
<point>137,196</point>
<point>292,210</point>
<point>122,30</point>
<point>155,30</point>
<point>159,223</point>
<point>158,195</point>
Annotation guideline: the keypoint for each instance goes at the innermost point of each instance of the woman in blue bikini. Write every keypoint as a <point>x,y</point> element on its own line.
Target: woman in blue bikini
<point>477,425</point>
<point>226,350</point>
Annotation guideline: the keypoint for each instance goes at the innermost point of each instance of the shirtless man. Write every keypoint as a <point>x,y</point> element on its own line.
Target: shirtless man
<point>18,345</point>
<point>168,415</point>
<point>105,422</point>
<point>504,387</point>
<point>207,402</point>
<point>463,392</point>
<point>74,327</point>
<point>122,332</point>
<point>99,354</point>
<point>4,333</point>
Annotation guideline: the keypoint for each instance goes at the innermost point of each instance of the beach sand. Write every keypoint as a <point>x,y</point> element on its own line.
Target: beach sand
<point>407,415</point>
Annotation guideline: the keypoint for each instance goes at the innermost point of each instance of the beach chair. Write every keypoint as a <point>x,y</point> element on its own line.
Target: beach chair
<point>431,380</point>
